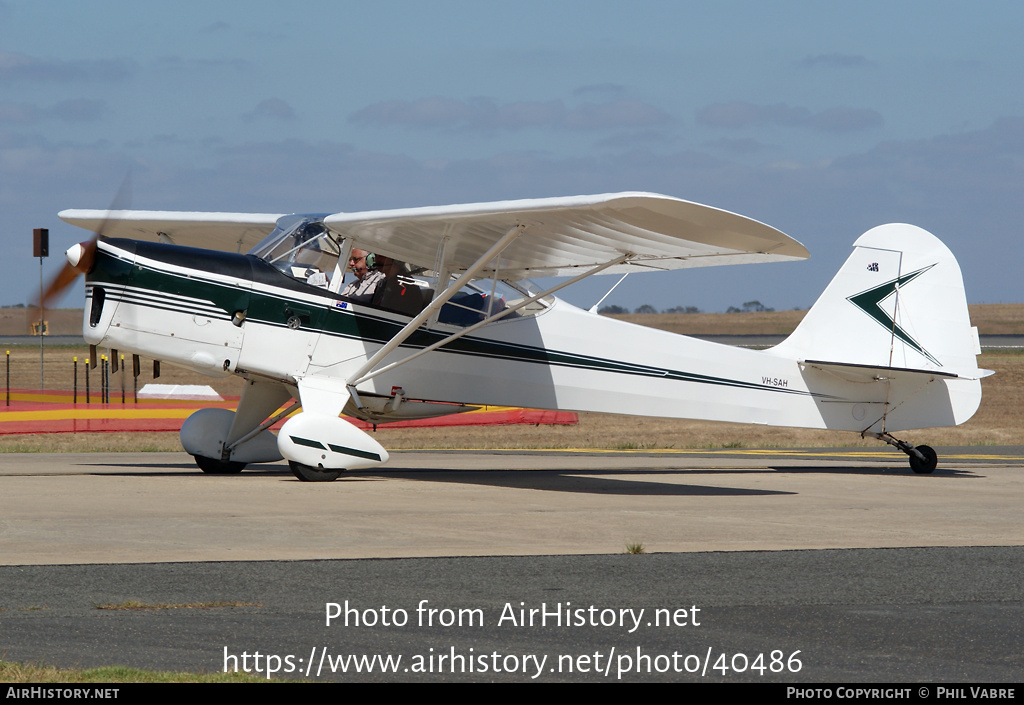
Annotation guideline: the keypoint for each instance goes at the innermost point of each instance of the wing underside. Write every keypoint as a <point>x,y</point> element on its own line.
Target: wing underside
<point>228,232</point>
<point>557,236</point>
<point>561,236</point>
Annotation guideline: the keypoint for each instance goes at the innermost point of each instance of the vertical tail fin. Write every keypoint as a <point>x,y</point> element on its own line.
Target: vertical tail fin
<point>897,302</point>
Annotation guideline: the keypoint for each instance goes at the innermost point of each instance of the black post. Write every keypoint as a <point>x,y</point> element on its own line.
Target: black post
<point>86,380</point>
<point>8,378</point>
<point>76,379</point>
<point>136,368</point>
<point>41,249</point>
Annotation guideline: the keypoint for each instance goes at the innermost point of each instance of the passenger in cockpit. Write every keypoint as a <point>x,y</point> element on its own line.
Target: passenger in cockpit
<point>400,293</point>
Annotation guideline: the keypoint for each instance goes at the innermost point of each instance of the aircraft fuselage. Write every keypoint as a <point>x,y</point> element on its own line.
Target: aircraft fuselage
<point>226,314</point>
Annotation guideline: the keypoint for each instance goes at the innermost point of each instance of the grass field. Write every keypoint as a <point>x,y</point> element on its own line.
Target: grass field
<point>991,319</point>
<point>998,422</point>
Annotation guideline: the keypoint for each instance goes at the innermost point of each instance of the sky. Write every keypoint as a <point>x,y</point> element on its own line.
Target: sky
<point>820,119</point>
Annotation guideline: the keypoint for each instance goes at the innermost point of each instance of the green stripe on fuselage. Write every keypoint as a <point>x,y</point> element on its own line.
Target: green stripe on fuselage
<point>274,309</point>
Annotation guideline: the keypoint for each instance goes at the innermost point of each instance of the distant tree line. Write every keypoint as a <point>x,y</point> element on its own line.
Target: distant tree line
<point>748,307</point>
<point>646,308</point>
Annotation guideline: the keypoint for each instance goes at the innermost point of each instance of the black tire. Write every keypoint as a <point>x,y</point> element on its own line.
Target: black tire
<point>308,473</point>
<point>926,466</point>
<point>218,467</point>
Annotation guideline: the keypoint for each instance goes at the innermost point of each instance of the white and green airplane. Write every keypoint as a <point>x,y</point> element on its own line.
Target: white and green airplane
<point>456,323</point>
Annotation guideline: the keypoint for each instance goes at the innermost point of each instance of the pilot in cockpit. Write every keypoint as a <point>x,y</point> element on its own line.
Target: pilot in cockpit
<point>368,277</point>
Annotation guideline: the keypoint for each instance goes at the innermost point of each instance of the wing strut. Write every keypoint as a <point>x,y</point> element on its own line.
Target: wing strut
<point>435,305</point>
<point>490,319</point>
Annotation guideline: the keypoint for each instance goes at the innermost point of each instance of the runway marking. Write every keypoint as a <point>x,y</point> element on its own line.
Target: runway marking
<point>879,454</point>
<point>107,413</point>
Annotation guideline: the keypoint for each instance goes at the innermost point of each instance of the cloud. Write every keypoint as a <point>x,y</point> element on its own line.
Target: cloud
<point>842,61</point>
<point>965,187</point>
<point>448,113</point>
<point>845,120</point>
<point>740,114</point>
<point>625,113</point>
<point>741,146</point>
<point>75,110</point>
<point>16,67</point>
<point>178,63</point>
<point>270,109</point>
<point>18,113</point>
<point>485,114</point>
<point>603,90</point>
<point>989,160</point>
<point>628,140</point>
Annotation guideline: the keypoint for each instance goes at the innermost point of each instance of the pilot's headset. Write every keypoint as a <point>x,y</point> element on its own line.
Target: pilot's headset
<point>371,260</point>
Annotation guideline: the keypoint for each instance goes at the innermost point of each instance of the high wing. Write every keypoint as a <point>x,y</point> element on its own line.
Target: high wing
<point>562,235</point>
<point>559,236</point>
<point>229,232</point>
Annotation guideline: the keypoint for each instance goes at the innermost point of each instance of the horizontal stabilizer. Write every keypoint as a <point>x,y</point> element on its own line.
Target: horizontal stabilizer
<point>868,373</point>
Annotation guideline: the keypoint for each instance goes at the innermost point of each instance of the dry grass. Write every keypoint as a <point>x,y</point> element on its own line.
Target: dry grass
<point>59,372</point>
<point>61,321</point>
<point>38,673</point>
<point>991,319</point>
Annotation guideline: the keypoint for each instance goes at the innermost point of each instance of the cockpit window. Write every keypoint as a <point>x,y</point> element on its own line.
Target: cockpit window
<point>301,247</point>
<point>483,298</point>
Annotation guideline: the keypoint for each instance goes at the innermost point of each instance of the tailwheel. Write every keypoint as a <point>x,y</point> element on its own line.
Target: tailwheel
<point>923,459</point>
<point>218,467</point>
<point>308,473</point>
<point>926,465</point>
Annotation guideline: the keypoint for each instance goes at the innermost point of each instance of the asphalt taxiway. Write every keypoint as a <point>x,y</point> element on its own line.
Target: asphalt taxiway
<point>156,507</point>
<point>869,571</point>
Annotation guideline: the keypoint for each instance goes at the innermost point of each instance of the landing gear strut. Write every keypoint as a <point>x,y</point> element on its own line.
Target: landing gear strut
<point>923,459</point>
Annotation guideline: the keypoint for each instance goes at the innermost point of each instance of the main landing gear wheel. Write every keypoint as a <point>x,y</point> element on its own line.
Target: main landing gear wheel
<point>308,473</point>
<point>926,466</point>
<point>218,467</point>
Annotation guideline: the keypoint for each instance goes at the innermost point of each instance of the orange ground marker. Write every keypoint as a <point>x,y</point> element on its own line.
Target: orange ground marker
<point>55,412</point>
